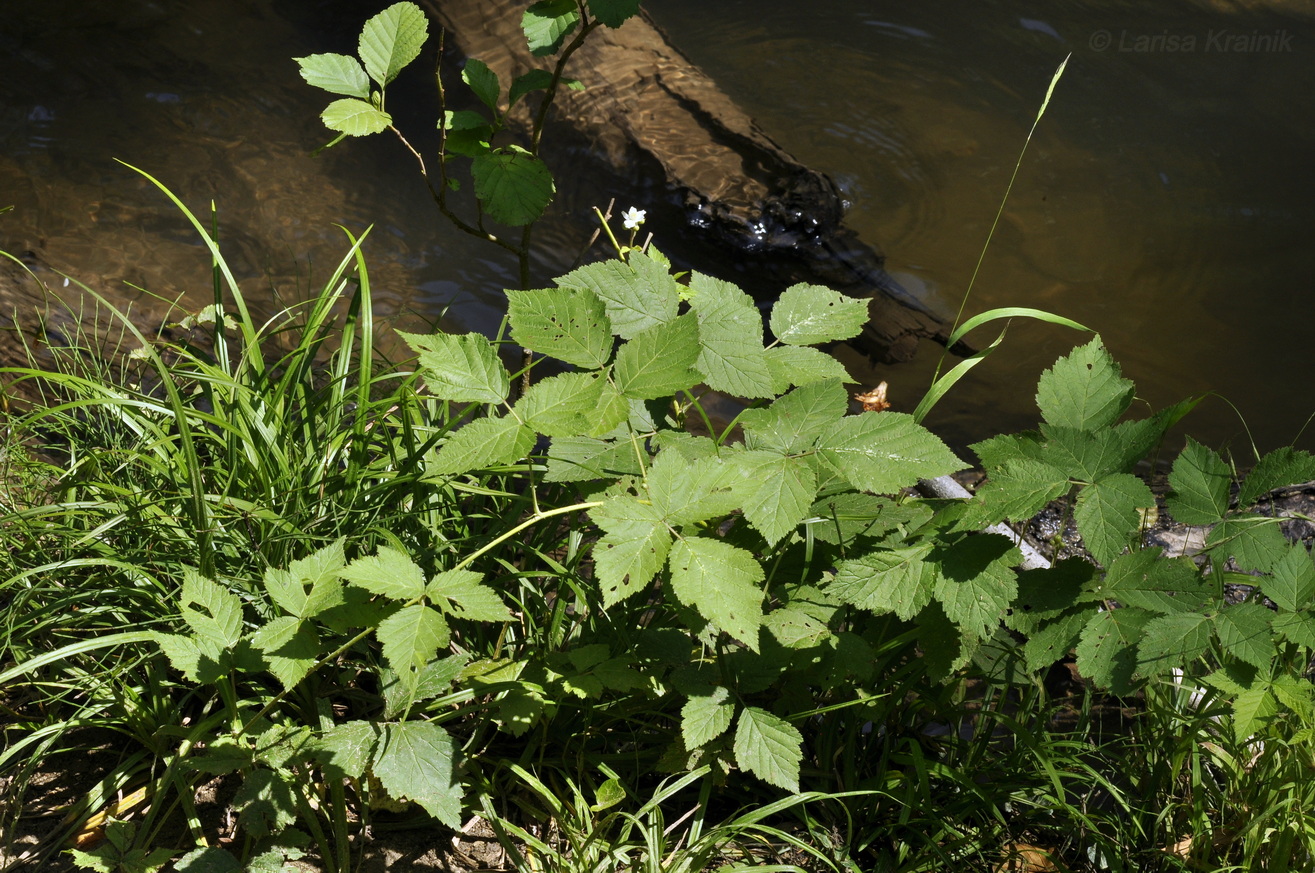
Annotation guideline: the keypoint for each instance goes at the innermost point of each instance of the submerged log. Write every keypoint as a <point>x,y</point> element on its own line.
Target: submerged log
<point>646,108</point>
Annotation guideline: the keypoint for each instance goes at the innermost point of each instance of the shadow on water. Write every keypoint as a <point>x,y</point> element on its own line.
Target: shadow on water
<point>1165,200</point>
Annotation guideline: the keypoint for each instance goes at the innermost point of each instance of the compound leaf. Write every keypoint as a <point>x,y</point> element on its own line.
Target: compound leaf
<point>1084,390</point>
<point>1293,582</point>
<point>769,747</point>
<point>1107,514</point>
<point>484,442</point>
<point>806,315</point>
<point>411,637</point>
<point>569,324</point>
<point>461,368</point>
<point>721,582</point>
<point>1173,641</point>
<point>463,594</point>
<point>414,762</point>
<point>1244,632</point>
<point>889,580</point>
<point>1200,480</point>
<point>632,551</point>
<point>638,293</point>
<point>388,572</point>
<point>706,717</point>
<point>659,361</point>
<point>1107,648</point>
<point>883,452</point>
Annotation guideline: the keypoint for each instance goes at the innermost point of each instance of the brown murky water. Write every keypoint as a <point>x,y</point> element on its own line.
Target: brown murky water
<point>1166,199</point>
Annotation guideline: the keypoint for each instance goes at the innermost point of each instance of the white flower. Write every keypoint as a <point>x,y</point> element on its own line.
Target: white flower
<point>632,218</point>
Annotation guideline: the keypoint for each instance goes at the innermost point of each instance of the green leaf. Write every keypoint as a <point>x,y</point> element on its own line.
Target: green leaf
<point>355,117</point>
<point>1017,490</point>
<point>208,860</point>
<point>1084,390</point>
<point>1090,455</point>
<point>461,368</point>
<point>976,582</point>
<point>1299,627</point>
<point>388,572</point>
<point>289,649</point>
<point>883,452</point>
<point>1107,514</point>
<point>731,354</point>
<point>793,423</point>
<point>1200,480</point>
<point>659,361</point>
<point>547,23</point>
<point>632,551</point>
<point>201,661</point>
<point>706,717</point>
<point>463,594</point>
<point>569,324</point>
<point>1285,466</point>
<point>344,750</point>
<point>483,81</point>
<point>614,13</point>
<point>638,295</point>
<point>1146,579</point>
<point>1244,632</point>
<point>782,496</point>
<point>319,571</point>
<point>391,40</point>
<point>579,459</point>
<point>1107,650</point>
<point>889,580</point>
<point>1251,709</point>
<point>513,186</point>
<point>265,803</point>
<point>1293,584</point>
<point>337,74</point>
<point>842,518</point>
<point>1254,541</point>
<point>1044,594</point>
<point>946,648</point>
<point>807,315</point>
<point>466,133</point>
<point>795,628</point>
<point>1054,640</point>
<point>414,762</point>
<point>435,678</point>
<point>212,612</point>
<point>411,638</point>
<point>484,442</point>
<point>534,80</point>
<point>686,492</point>
<point>1171,641</point>
<point>565,405</point>
<point>721,582</point>
<point>800,365</point>
<point>769,747</point>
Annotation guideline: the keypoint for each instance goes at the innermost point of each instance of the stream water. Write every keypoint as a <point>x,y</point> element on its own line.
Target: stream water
<point>1166,199</point>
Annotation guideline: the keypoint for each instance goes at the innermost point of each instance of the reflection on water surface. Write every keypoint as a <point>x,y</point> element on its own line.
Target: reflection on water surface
<point>1165,200</point>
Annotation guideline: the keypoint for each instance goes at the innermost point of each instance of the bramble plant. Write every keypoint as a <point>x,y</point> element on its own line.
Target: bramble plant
<point>355,589</point>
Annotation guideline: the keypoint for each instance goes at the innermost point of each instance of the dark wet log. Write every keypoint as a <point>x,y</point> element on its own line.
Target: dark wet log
<point>645,105</point>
